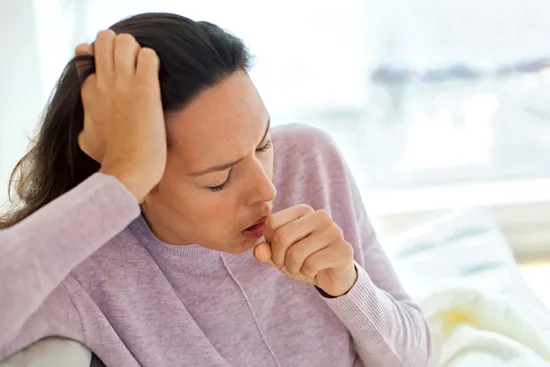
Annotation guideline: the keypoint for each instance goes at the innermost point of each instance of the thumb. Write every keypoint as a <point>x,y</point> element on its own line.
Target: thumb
<point>262,252</point>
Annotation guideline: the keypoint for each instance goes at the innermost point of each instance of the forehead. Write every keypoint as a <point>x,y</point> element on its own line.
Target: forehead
<point>220,125</point>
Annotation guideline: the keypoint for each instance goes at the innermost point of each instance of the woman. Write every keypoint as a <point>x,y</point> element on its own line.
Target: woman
<point>212,268</point>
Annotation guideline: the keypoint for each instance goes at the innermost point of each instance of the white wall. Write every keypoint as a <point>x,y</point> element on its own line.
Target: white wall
<point>21,97</point>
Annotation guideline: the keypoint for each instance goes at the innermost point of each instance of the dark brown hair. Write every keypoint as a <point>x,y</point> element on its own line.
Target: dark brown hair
<point>193,56</point>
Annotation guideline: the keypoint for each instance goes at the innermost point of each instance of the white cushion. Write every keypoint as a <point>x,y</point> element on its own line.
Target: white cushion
<point>51,352</point>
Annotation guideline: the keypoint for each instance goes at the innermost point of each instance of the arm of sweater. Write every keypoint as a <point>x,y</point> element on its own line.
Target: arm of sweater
<point>37,254</point>
<point>387,327</point>
<point>386,331</point>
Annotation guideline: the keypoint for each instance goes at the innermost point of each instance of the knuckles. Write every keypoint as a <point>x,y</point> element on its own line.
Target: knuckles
<point>280,237</point>
<point>148,53</point>
<point>268,223</point>
<point>105,34</point>
<point>304,209</point>
<point>294,255</point>
<point>125,40</point>
<point>323,217</point>
<point>309,267</point>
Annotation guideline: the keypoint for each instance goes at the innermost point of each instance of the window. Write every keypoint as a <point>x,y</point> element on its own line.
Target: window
<point>421,95</point>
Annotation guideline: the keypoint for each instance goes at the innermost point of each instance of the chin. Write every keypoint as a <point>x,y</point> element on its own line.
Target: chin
<point>241,247</point>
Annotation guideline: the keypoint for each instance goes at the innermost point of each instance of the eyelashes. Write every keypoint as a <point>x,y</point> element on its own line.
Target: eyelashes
<point>268,145</point>
<point>223,185</point>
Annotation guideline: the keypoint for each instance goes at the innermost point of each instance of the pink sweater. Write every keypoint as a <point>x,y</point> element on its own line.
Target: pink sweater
<point>87,267</point>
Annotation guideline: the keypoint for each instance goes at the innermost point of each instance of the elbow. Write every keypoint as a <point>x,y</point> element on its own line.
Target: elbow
<point>425,354</point>
<point>429,355</point>
<point>419,356</point>
<point>420,348</point>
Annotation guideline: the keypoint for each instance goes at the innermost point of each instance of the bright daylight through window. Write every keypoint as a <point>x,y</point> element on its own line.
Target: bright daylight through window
<point>417,94</point>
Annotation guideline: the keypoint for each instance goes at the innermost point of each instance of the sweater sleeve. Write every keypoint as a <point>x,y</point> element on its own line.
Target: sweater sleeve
<point>386,331</point>
<point>388,328</point>
<point>37,255</point>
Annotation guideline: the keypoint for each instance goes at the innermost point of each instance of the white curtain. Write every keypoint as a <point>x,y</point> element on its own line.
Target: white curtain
<point>21,96</point>
<point>295,44</point>
<point>314,61</point>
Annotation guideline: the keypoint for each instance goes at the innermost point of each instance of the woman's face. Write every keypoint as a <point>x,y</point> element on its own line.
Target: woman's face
<point>218,175</point>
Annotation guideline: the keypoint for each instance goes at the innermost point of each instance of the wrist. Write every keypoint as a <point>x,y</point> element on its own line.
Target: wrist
<point>132,182</point>
<point>347,279</point>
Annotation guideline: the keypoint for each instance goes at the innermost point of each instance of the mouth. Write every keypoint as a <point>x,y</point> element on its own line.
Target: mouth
<point>256,230</point>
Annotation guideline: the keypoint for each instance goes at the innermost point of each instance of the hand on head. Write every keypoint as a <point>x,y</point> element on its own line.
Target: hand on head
<point>124,126</point>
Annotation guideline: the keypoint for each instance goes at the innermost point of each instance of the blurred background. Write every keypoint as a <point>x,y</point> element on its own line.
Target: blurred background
<point>441,108</point>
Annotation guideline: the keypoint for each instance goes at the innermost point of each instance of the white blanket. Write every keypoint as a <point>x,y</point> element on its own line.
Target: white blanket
<point>471,329</point>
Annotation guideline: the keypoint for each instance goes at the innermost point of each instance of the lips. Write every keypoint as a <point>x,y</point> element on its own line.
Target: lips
<point>256,230</point>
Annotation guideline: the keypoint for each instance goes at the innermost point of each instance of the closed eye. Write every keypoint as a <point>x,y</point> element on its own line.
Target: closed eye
<point>223,185</point>
<point>266,147</point>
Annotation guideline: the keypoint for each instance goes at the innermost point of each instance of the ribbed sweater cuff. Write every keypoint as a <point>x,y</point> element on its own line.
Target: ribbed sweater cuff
<point>365,309</point>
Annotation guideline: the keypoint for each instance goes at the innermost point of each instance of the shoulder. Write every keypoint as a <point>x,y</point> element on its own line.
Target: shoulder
<point>113,264</point>
<point>302,148</point>
<point>305,140</point>
<point>307,165</point>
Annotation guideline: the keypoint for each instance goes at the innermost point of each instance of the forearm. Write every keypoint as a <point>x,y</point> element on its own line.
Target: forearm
<point>39,252</point>
<point>386,332</point>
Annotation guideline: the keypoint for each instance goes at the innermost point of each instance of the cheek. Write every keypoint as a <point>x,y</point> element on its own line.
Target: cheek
<point>173,196</point>
<point>186,197</point>
<point>267,163</point>
<point>210,212</point>
<point>219,210</point>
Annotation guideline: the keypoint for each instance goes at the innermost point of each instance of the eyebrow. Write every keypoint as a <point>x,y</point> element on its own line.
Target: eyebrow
<point>224,166</point>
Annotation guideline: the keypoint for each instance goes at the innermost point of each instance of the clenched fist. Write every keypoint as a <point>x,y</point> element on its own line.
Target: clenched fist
<point>308,246</point>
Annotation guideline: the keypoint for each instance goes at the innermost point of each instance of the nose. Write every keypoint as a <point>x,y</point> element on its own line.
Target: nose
<point>261,188</point>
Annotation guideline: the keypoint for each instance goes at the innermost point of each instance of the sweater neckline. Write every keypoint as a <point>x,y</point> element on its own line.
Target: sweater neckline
<point>193,251</point>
